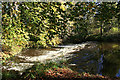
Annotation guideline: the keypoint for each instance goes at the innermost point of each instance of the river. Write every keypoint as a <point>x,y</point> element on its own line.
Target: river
<point>93,57</point>
<point>103,59</point>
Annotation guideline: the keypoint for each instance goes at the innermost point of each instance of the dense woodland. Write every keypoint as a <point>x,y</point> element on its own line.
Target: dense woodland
<point>28,25</point>
<point>46,24</point>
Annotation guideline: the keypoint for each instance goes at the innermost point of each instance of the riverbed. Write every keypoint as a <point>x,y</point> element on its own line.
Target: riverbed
<point>92,57</point>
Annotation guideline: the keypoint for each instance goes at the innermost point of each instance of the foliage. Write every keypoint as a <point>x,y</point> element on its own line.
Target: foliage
<point>106,15</point>
<point>43,23</point>
<point>44,71</point>
<point>38,70</point>
<point>46,24</point>
<point>10,75</point>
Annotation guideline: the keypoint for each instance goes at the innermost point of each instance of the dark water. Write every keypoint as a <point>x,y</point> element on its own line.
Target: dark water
<point>96,58</point>
<point>103,59</point>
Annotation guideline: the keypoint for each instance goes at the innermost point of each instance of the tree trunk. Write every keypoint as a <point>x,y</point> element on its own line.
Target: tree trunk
<point>101,32</point>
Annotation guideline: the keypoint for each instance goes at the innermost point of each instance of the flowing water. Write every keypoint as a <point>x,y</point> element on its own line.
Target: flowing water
<point>94,57</point>
<point>103,59</point>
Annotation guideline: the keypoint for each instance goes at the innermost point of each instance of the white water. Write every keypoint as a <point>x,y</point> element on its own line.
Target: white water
<point>52,55</point>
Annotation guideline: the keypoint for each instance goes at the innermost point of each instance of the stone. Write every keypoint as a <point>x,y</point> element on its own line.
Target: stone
<point>43,55</point>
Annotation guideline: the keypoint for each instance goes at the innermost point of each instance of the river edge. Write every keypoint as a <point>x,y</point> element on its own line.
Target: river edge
<point>77,48</point>
<point>51,55</point>
<point>53,71</point>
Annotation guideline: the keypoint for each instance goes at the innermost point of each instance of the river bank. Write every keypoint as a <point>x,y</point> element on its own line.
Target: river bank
<point>52,71</point>
<point>87,57</point>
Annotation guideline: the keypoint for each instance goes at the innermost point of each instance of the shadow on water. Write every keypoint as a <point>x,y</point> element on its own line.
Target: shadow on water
<point>96,58</point>
<point>36,52</point>
<point>103,59</point>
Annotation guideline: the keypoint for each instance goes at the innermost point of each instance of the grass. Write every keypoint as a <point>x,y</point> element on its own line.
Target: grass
<point>38,70</point>
<point>10,75</point>
<point>35,72</point>
<point>51,70</point>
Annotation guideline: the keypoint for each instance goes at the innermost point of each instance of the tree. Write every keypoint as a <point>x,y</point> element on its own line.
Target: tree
<point>104,15</point>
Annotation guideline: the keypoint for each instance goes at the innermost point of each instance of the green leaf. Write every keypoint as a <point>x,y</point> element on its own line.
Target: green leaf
<point>52,30</point>
<point>32,76</point>
<point>62,7</point>
<point>54,9</point>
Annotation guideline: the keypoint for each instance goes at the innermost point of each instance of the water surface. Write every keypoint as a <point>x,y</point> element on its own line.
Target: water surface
<point>103,58</point>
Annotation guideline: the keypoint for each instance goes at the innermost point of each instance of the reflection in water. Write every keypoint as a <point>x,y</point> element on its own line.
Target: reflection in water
<point>100,64</point>
<point>118,74</point>
<point>102,59</point>
<point>96,58</point>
